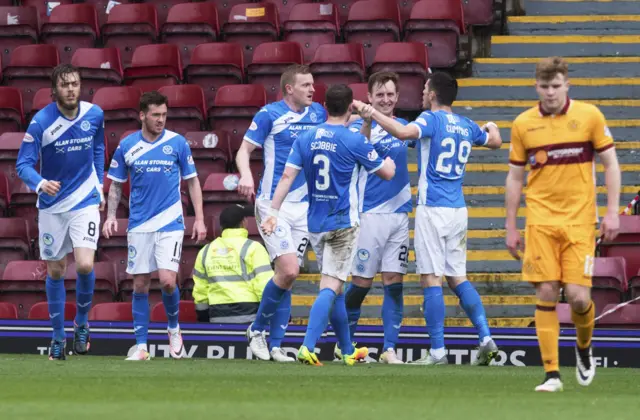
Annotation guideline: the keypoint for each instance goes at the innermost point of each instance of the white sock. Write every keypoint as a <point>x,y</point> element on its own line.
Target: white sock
<point>485,341</point>
<point>438,353</point>
<point>143,347</point>
<point>174,330</point>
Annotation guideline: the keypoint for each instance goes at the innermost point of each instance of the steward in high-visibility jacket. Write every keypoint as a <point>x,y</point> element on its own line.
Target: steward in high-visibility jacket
<point>231,272</point>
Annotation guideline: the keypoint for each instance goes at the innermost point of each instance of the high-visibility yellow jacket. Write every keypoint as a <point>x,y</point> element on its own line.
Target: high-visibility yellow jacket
<point>229,276</point>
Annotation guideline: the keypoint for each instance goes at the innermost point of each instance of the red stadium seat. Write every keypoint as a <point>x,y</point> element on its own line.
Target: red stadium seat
<point>312,25</point>
<point>121,111</point>
<point>44,8</point>
<point>115,249</point>
<point>343,7</point>
<point>40,311</point>
<point>5,192</point>
<point>360,91</point>
<point>224,8</point>
<point>154,66</point>
<point>624,317</point>
<point>626,244</point>
<point>41,99</point>
<point>340,63</point>
<point>191,24</point>
<point>478,12</point>
<point>319,93</point>
<point>437,24</point>
<point>251,24</point>
<point>99,67</point>
<point>71,26</point>
<point>372,23</point>
<point>609,281</point>
<point>269,62</point>
<point>30,69</point>
<point>23,201</point>
<point>114,311</point>
<point>129,26</point>
<point>187,108</point>
<point>234,109</point>
<point>19,28</point>
<point>11,109</point>
<point>406,6</point>
<point>219,191</point>
<point>215,65</point>
<point>187,312</point>
<point>105,289</point>
<point>23,284</point>
<point>286,6</point>
<point>634,286</point>
<point>8,310</point>
<point>409,60</point>
<point>210,151</point>
<point>163,7</point>
<point>15,243</point>
<point>9,147</point>
<point>104,7</point>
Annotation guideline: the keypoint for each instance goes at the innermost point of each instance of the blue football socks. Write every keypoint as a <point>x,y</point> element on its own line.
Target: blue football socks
<point>172,307</point>
<point>434,316</point>
<point>140,310</point>
<point>340,323</point>
<point>280,321</point>
<point>84,295</point>
<point>472,305</point>
<point>271,297</point>
<point>56,296</point>
<point>392,309</point>
<point>318,318</point>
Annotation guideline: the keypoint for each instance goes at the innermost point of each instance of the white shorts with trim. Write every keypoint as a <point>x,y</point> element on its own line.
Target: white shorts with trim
<point>383,244</point>
<point>291,235</point>
<point>441,240</point>
<point>335,251</point>
<point>60,233</point>
<point>151,251</point>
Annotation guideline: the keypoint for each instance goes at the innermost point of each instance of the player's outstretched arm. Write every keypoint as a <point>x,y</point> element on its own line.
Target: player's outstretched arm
<point>515,181</point>
<point>388,169</point>
<point>195,192</point>
<point>390,125</point>
<point>611,223</point>
<point>288,176</point>
<point>495,139</point>
<point>246,186</point>
<point>111,224</point>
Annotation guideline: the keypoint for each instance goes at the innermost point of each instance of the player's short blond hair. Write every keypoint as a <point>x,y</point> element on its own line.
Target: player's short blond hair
<point>550,67</point>
<point>289,75</point>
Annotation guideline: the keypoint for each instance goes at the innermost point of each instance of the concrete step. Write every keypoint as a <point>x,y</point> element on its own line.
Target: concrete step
<point>492,89</point>
<point>566,46</point>
<point>628,153</point>
<point>578,67</point>
<point>574,25</point>
<point>501,110</point>
<point>573,7</point>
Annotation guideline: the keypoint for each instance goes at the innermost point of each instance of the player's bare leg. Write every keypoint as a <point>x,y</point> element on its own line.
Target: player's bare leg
<point>548,332</point>
<point>84,295</point>
<point>168,281</point>
<point>140,311</point>
<point>434,311</point>
<point>56,298</point>
<point>392,311</point>
<point>582,315</point>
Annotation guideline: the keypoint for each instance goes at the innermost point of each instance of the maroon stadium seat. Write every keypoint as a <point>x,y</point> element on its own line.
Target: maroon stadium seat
<point>191,24</point>
<point>360,91</point>
<point>163,7</point>
<point>44,8</point>
<point>405,8</point>
<point>11,109</point>
<point>41,99</point>
<point>285,6</point>
<point>215,65</point>
<point>234,109</point>
<point>154,66</point>
<point>23,201</point>
<point>340,63</point>
<point>626,244</point>
<point>9,147</point>
<point>312,25</point>
<point>5,193</point>
<point>40,311</point>
<point>15,243</point>
<point>187,312</point>
<point>115,249</point>
<point>187,108</point>
<point>609,281</point>
<point>104,7</point>
<point>114,311</point>
<point>210,151</point>
<point>478,12</point>
<point>319,93</point>
<point>372,23</point>
<point>219,191</point>
<point>269,62</point>
<point>129,26</point>
<point>30,69</point>
<point>23,283</point>
<point>409,60</point>
<point>99,67</point>
<point>71,26</point>
<point>625,317</point>
<point>105,289</point>
<point>437,24</point>
<point>251,24</point>
<point>23,29</point>
<point>8,310</point>
<point>120,105</point>
<point>634,286</point>
<point>224,8</point>
<point>342,7</point>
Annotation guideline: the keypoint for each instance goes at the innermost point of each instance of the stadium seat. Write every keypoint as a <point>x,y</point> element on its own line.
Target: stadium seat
<point>625,317</point>
<point>190,24</point>
<point>11,114</point>
<point>312,25</point>
<point>99,67</point>
<point>30,69</point>
<point>634,286</point>
<point>406,6</point>
<point>214,65</point>
<point>103,8</point>
<point>105,288</point>
<point>626,244</point>
<point>286,6</point>
<point>114,311</point>
<point>234,108</point>
<point>163,7</point>
<point>10,143</point>
<point>251,24</point>
<point>44,8</point>
<point>340,63</point>
<point>478,12</point>
<point>71,26</point>
<point>41,99</point>
<point>224,8</point>
<point>187,108</point>
<point>115,249</point>
<point>8,310</point>
<point>23,201</point>
<point>40,311</point>
<point>15,243</point>
<point>210,151</point>
<point>120,105</point>
<point>360,91</point>
<point>409,60</point>
<point>437,24</point>
<point>270,60</point>
<point>187,312</point>
<point>129,26</point>
<point>219,191</point>
<point>23,283</point>
<point>319,93</point>
<point>343,7</point>
<point>19,28</point>
<point>609,281</point>
<point>5,193</point>
<point>372,23</point>
<point>154,66</point>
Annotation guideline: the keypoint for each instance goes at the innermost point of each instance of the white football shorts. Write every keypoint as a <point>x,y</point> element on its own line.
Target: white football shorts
<point>383,244</point>
<point>291,235</point>
<point>335,251</point>
<point>441,240</point>
<point>151,251</point>
<point>60,233</point>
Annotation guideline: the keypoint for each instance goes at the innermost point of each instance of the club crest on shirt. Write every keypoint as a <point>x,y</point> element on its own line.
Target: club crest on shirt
<point>313,117</point>
<point>85,125</point>
<point>28,138</point>
<point>167,150</point>
<point>114,164</point>
<point>372,155</point>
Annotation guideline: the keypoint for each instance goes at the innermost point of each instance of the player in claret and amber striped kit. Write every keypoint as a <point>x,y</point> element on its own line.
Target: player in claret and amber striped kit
<point>559,139</point>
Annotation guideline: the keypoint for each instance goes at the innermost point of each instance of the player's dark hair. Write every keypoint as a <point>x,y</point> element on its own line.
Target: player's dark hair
<point>289,75</point>
<point>337,100</point>
<point>381,78</point>
<point>445,87</point>
<point>152,98</point>
<point>62,71</point>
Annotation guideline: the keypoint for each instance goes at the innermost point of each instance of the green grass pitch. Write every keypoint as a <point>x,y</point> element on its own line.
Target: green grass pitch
<point>94,387</point>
